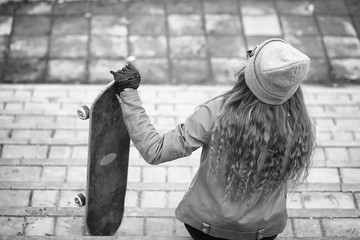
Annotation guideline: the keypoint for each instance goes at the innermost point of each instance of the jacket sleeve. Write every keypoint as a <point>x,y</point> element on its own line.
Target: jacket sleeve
<point>177,143</point>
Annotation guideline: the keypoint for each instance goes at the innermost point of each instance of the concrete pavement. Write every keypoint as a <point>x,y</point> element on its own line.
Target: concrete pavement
<point>175,42</point>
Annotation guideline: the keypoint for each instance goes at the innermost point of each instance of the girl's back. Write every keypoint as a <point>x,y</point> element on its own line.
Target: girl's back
<point>256,142</point>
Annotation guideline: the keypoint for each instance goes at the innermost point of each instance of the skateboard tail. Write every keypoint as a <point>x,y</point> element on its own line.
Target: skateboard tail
<point>104,225</point>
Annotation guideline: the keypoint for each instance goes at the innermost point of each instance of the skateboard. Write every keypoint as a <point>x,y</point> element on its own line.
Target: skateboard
<point>107,165</point>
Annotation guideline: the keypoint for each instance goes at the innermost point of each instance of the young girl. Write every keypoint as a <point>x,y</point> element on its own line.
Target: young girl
<point>256,142</point>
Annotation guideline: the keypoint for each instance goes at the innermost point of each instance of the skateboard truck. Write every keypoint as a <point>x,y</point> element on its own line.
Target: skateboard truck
<point>83,113</point>
<point>80,200</point>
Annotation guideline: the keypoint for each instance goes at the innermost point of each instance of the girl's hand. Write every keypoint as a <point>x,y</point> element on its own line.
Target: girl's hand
<point>127,77</point>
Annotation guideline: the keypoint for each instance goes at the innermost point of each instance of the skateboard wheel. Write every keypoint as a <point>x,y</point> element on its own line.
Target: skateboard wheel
<point>83,112</point>
<point>80,200</point>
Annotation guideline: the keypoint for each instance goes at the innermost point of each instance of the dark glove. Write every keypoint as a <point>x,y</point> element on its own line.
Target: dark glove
<point>127,77</point>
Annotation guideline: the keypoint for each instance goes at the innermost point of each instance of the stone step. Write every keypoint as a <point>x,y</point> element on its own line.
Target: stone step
<point>50,90</point>
<point>163,212</point>
<point>152,94</point>
<point>337,155</point>
<point>106,238</point>
<point>155,186</point>
<point>135,161</point>
<point>172,111</point>
<point>152,238</point>
<point>160,223</point>
<point>84,142</point>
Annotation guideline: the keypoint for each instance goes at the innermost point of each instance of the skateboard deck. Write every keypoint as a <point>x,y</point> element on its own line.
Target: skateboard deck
<point>108,160</point>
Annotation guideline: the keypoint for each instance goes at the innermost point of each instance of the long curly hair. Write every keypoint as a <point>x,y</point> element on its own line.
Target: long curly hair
<point>257,147</point>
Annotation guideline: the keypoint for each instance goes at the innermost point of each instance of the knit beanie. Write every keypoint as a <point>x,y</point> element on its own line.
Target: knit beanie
<point>274,71</point>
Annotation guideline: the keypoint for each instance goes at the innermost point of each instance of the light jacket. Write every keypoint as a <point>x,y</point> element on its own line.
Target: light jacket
<point>203,206</point>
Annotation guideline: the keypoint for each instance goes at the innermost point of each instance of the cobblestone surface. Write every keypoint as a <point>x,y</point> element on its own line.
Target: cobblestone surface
<point>44,151</point>
<point>174,42</point>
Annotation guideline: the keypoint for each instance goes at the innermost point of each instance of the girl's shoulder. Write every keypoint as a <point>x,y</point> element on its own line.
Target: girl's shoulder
<point>212,105</point>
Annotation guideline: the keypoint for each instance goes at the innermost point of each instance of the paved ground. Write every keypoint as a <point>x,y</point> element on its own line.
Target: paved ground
<point>188,52</point>
<point>175,42</point>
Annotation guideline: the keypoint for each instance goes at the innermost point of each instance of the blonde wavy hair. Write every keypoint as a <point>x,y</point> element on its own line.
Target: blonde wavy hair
<point>257,147</point>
